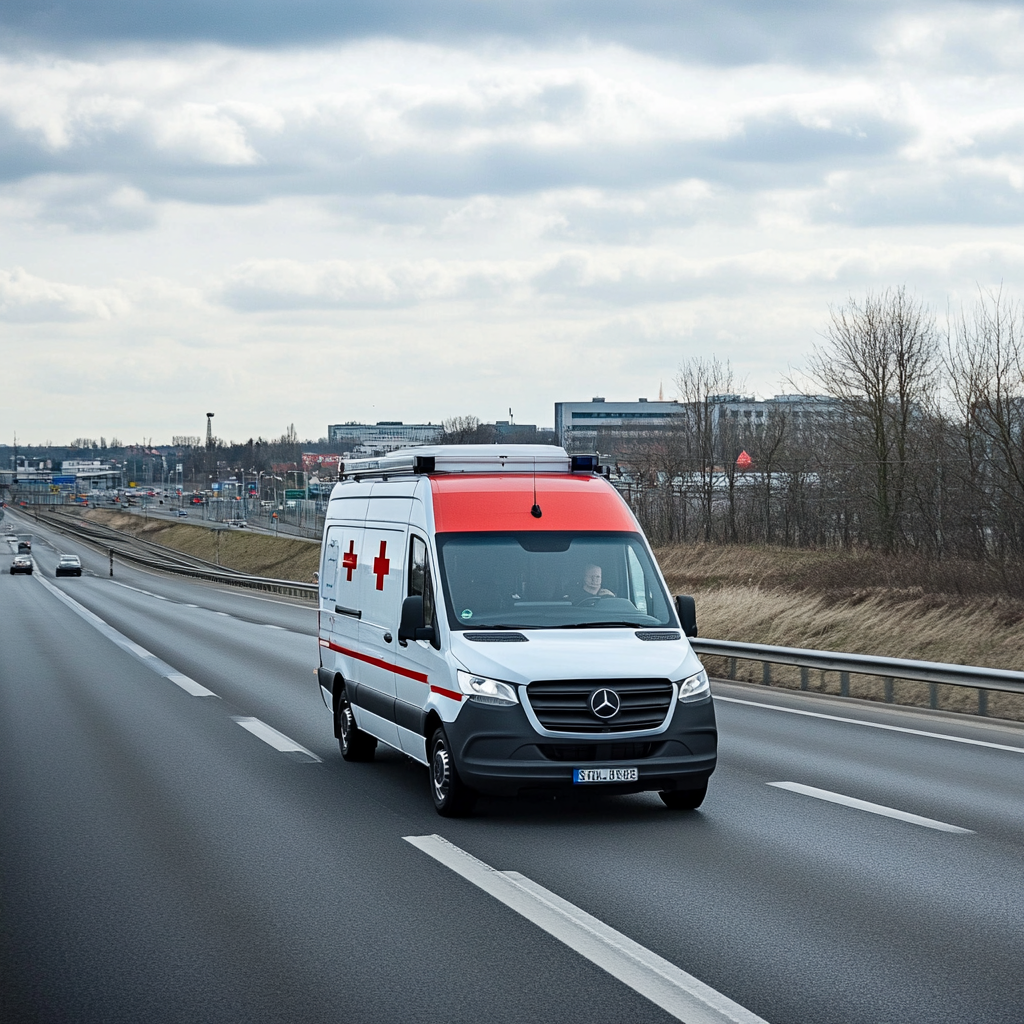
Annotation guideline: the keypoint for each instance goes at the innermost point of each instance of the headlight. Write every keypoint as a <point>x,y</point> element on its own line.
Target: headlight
<point>487,691</point>
<point>695,687</point>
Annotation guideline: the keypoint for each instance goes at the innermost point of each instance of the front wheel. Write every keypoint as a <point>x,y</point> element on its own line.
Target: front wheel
<point>452,797</point>
<point>355,744</point>
<point>684,799</point>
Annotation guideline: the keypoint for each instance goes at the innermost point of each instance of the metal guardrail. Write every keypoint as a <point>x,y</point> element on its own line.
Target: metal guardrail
<point>293,588</point>
<point>890,669</point>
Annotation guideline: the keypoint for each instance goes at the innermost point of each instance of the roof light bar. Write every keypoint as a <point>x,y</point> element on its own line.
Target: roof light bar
<point>468,458</point>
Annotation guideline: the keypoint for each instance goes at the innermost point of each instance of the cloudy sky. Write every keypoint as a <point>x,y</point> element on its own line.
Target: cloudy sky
<point>317,211</point>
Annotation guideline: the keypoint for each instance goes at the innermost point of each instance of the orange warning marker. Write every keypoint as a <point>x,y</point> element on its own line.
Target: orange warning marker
<point>744,461</point>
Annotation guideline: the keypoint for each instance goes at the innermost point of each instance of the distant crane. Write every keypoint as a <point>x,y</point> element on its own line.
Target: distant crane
<point>209,430</point>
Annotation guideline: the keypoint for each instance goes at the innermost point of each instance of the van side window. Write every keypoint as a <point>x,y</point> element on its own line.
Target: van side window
<point>420,583</point>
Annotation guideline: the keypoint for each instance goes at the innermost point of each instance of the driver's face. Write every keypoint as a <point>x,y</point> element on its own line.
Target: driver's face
<point>592,579</point>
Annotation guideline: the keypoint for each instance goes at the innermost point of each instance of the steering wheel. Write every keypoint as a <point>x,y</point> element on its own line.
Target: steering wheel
<point>591,602</point>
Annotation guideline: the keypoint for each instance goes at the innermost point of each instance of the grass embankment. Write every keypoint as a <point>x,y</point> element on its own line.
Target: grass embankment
<point>863,603</point>
<point>255,553</point>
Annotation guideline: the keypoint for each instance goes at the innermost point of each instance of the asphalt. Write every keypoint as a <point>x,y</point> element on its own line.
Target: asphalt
<point>161,863</point>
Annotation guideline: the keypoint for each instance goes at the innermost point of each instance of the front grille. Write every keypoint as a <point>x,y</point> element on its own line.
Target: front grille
<point>579,753</point>
<point>563,705</point>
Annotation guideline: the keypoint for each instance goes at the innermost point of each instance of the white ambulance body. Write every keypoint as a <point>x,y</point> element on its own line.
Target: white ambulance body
<point>496,614</point>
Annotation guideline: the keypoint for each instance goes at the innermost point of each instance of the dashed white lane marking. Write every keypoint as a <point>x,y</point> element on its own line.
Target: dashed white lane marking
<point>874,725</point>
<point>160,597</point>
<point>276,739</point>
<point>865,805</point>
<point>150,660</point>
<point>664,984</point>
<point>139,590</point>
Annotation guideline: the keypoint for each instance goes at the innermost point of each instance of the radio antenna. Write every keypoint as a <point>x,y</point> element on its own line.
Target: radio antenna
<point>535,510</point>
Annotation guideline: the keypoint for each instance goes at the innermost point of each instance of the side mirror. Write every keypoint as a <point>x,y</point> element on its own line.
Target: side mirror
<point>686,608</point>
<point>412,626</point>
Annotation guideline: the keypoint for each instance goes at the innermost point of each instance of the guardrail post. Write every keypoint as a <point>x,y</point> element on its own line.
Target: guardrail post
<point>732,668</point>
<point>933,696</point>
<point>844,684</point>
<point>766,673</point>
<point>888,689</point>
<point>982,702</point>
<point>805,681</point>
<point>111,561</point>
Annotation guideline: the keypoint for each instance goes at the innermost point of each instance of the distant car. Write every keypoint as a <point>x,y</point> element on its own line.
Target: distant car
<point>183,513</point>
<point>21,563</point>
<point>24,546</point>
<point>69,565</point>
<point>237,522</point>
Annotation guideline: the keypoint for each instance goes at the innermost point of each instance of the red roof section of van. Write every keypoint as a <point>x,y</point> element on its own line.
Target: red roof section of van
<point>473,503</point>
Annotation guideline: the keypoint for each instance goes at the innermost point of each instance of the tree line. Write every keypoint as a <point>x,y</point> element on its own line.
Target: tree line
<point>915,441</point>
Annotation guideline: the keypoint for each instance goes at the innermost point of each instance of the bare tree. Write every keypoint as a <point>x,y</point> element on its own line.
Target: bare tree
<point>879,361</point>
<point>984,359</point>
<point>699,383</point>
<point>465,430</point>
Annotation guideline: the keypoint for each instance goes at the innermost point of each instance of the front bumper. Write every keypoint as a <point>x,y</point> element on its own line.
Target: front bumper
<point>497,751</point>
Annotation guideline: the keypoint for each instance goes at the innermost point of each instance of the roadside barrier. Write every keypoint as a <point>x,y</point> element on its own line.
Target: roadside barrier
<point>889,669</point>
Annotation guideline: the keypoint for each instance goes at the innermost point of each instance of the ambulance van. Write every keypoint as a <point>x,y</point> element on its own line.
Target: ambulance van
<point>496,614</point>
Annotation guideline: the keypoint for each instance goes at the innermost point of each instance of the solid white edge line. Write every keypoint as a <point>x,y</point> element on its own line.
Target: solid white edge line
<point>676,992</point>
<point>150,660</point>
<point>275,739</point>
<point>873,725</point>
<point>866,805</point>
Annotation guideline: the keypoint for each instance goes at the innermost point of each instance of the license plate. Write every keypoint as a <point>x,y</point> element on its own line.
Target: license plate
<point>605,775</point>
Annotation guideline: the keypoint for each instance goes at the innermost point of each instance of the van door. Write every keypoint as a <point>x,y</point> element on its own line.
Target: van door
<point>380,572</point>
<point>339,601</point>
<point>419,665</point>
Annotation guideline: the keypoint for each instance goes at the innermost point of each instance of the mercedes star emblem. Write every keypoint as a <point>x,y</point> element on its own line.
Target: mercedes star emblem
<point>605,703</point>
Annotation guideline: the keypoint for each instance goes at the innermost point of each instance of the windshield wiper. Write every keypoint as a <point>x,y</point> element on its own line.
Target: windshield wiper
<point>475,629</point>
<point>597,625</point>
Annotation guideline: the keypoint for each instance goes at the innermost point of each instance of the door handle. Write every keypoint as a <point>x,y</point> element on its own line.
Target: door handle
<point>387,638</point>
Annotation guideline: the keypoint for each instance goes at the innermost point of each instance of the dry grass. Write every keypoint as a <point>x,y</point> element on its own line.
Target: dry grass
<point>255,553</point>
<point>857,603</point>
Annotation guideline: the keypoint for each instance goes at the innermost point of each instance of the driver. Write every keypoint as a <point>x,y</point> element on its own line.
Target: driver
<point>592,582</point>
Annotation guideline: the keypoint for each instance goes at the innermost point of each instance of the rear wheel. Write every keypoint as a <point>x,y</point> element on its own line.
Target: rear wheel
<point>355,744</point>
<point>452,797</point>
<point>684,799</point>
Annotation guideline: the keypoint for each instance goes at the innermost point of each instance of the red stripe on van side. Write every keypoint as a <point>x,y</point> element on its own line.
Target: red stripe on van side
<point>408,673</point>
<point>446,693</point>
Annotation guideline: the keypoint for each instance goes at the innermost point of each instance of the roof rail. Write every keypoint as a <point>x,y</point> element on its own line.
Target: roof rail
<point>471,458</point>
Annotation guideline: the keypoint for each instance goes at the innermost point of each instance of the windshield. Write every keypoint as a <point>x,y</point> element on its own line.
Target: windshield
<point>550,580</point>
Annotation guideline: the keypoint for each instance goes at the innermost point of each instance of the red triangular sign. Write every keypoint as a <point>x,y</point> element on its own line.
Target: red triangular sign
<point>744,461</point>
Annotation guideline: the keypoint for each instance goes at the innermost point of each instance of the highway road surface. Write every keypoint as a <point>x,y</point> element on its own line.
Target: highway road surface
<point>180,840</point>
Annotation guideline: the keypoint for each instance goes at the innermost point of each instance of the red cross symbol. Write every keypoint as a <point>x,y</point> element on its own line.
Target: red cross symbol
<point>349,559</point>
<point>381,565</point>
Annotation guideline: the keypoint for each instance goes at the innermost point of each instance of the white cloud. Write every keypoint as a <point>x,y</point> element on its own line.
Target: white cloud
<point>504,222</point>
<point>25,298</point>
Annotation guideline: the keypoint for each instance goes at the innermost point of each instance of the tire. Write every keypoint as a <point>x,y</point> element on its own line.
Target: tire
<point>452,797</point>
<point>684,799</point>
<point>355,745</point>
